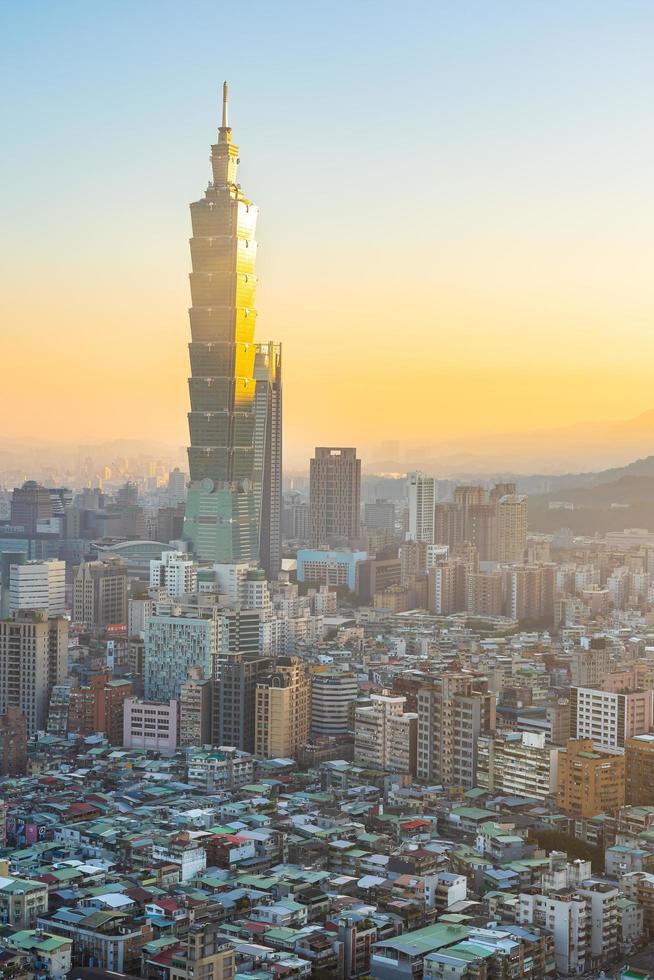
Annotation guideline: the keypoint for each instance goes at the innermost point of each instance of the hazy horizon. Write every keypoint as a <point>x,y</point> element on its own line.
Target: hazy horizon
<point>459,250</point>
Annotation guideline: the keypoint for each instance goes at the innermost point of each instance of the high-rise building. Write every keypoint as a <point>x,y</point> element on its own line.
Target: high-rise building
<point>13,743</point>
<point>379,514</point>
<point>511,527</point>
<point>333,693</point>
<point>33,655</point>
<point>100,592</point>
<point>98,707</point>
<point>517,764</point>
<point>608,717</point>
<point>334,496</point>
<point>454,709</point>
<point>422,500</point>
<point>176,487</point>
<point>38,585</point>
<point>639,770</point>
<point>589,781</point>
<point>385,735</point>
<point>233,508</point>
<point>235,698</point>
<point>177,639</point>
<point>195,706</point>
<point>175,573</point>
<point>283,710</point>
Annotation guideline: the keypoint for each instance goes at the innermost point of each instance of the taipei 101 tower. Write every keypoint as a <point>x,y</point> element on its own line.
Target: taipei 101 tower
<point>233,510</point>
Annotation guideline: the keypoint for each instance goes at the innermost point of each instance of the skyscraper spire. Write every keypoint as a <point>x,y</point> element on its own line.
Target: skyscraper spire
<point>225,124</point>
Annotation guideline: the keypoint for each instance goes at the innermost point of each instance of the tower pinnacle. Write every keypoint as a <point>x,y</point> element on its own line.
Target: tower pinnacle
<point>225,124</point>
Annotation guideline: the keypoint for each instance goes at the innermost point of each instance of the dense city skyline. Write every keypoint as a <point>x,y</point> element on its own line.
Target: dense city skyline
<point>508,246</point>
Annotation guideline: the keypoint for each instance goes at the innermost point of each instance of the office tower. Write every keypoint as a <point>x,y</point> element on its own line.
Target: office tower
<point>100,592</point>
<point>268,453</point>
<point>233,500</point>
<point>283,710</point>
<point>454,709</point>
<point>511,527</point>
<point>33,655</point>
<point>175,573</point>
<point>296,518</point>
<point>385,735</point>
<point>176,487</point>
<point>375,575</point>
<point>195,709</point>
<point>150,725</point>
<point>333,694</point>
<point>589,781</point>
<point>379,515</point>
<point>31,506</point>
<point>517,764</point>
<point>7,560</point>
<point>422,500</point>
<point>334,496</point>
<point>609,718</point>
<point>13,743</point>
<point>235,698</point>
<point>334,568</point>
<point>38,585</point>
<point>177,639</point>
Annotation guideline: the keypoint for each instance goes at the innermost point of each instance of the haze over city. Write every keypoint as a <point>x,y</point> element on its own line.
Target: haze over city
<point>455,221</point>
<point>326,491</point>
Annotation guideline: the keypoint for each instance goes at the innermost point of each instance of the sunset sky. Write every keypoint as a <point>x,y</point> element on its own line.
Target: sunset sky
<point>457,211</point>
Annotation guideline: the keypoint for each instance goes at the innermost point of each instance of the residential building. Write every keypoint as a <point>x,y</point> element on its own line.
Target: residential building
<point>385,735</point>
<point>422,500</point>
<point>22,901</point>
<point>178,638</point>
<point>234,699</point>
<point>33,659</point>
<point>454,709</point>
<point>13,743</point>
<point>609,718</point>
<point>517,764</point>
<point>639,770</point>
<point>334,496</point>
<point>589,781</point>
<point>333,694</point>
<point>175,573</point>
<point>195,709</point>
<point>283,710</point>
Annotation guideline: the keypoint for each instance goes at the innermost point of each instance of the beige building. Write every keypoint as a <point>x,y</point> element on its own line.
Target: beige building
<point>204,955</point>
<point>195,709</point>
<point>518,764</point>
<point>589,782</point>
<point>385,735</point>
<point>33,659</point>
<point>511,527</point>
<point>100,592</point>
<point>283,710</point>
<point>454,709</point>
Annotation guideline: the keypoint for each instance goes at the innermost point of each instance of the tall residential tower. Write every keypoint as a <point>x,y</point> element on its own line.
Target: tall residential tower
<point>233,510</point>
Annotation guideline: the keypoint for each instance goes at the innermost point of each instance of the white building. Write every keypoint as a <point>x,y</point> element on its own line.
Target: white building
<point>333,693</point>
<point>567,917</point>
<point>38,585</point>
<point>176,639</point>
<point>422,501</point>
<point>384,735</point>
<point>150,725</point>
<point>175,573</point>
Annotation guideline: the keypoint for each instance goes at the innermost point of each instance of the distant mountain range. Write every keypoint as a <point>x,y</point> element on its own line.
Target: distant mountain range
<point>585,446</point>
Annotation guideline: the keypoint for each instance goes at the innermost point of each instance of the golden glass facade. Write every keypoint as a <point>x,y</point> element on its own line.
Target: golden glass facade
<point>235,384</point>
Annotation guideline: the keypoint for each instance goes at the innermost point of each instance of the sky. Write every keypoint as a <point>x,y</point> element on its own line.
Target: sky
<point>456,211</point>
